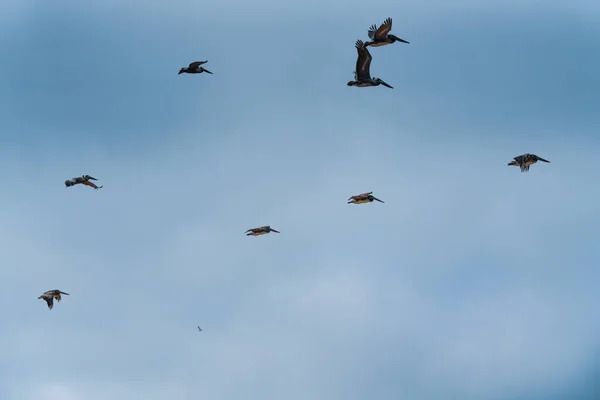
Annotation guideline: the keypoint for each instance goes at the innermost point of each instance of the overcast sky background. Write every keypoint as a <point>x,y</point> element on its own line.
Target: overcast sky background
<point>472,282</point>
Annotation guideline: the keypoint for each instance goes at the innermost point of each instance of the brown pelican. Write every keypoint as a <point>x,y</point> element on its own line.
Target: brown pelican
<point>199,330</point>
<point>524,161</point>
<point>50,295</point>
<point>381,36</point>
<point>84,180</point>
<point>362,75</point>
<point>363,198</point>
<point>195,68</point>
<point>263,230</point>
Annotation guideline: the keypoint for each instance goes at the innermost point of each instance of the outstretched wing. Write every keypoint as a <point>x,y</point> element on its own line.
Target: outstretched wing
<point>363,62</point>
<point>194,66</point>
<point>49,300</point>
<point>381,33</point>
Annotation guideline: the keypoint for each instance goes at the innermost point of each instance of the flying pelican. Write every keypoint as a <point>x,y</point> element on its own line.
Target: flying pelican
<point>263,230</point>
<point>524,161</point>
<point>50,295</point>
<point>381,36</point>
<point>362,75</point>
<point>200,330</point>
<point>363,198</point>
<point>84,180</point>
<point>194,68</point>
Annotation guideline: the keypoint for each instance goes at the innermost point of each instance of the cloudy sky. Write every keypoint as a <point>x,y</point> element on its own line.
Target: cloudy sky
<point>472,282</point>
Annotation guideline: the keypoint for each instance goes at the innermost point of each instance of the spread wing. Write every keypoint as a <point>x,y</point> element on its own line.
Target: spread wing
<point>520,159</point>
<point>382,32</point>
<point>196,64</point>
<point>49,300</point>
<point>363,62</point>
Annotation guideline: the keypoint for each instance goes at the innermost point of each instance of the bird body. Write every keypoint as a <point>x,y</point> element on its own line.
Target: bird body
<point>195,68</point>
<point>524,161</point>
<point>50,296</point>
<point>381,36</point>
<point>82,180</point>
<point>263,230</point>
<point>363,198</point>
<point>362,74</point>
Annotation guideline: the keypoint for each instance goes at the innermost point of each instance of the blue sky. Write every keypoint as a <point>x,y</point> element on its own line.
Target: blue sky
<point>473,280</point>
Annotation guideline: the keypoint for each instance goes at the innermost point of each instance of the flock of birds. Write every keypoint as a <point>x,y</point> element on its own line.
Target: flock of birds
<point>362,78</point>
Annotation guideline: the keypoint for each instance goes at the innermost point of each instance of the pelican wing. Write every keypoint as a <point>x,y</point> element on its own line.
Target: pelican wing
<point>196,64</point>
<point>363,62</point>
<point>381,33</point>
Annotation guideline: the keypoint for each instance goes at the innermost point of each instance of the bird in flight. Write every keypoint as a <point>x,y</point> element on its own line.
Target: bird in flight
<point>200,330</point>
<point>363,198</point>
<point>50,295</point>
<point>263,230</point>
<point>195,68</point>
<point>381,36</point>
<point>83,180</point>
<point>362,74</point>
<point>524,161</point>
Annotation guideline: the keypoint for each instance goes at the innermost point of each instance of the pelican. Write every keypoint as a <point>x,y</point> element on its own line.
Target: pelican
<point>199,329</point>
<point>84,180</point>
<point>524,161</point>
<point>363,198</point>
<point>50,295</point>
<point>362,75</point>
<point>194,68</point>
<point>380,36</point>
<point>263,230</point>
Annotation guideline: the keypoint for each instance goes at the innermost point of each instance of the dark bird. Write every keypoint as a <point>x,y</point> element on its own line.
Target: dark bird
<point>380,36</point>
<point>362,74</point>
<point>50,295</point>
<point>195,68</point>
<point>200,330</point>
<point>363,198</point>
<point>525,161</point>
<point>263,230</point>
<point>83,180</point>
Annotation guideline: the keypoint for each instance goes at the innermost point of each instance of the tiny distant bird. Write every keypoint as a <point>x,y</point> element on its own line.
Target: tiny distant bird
<point>362,74</point>
<point>263,230</point>
<point>363,198</point>
<point>50,295</point>
<point>195,68</point>
<point>84,180</point>
<point>525,161</point>
<point>199,329</point>
<point>380,36</point>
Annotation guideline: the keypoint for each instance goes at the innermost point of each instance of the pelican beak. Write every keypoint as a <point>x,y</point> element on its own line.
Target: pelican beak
<point>92,178</point>
<point>208,71</point>
<point>375,198</point>
<point>65,293</point>
<point>385,84</point>
<point>541,159</point>
<point>273,230</point>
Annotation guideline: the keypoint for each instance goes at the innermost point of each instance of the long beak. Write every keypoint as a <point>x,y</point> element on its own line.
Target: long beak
<point>92,178</point>
<point>249,230</point>
<point>375,198</point>
<point>64,293</point>
<point>273,230</point>
<point>402,40</point>
<point>208,71</point>
<point>386,85</point>
<point>541,159</point>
